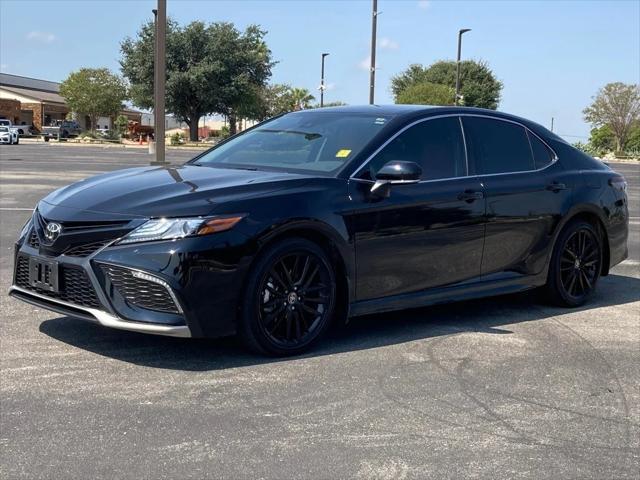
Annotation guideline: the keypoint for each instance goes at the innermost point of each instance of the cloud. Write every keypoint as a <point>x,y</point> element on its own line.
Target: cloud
<point>424,4</point>
<point>44,37</point>
<point>365,64</point>
<point>388,44</point>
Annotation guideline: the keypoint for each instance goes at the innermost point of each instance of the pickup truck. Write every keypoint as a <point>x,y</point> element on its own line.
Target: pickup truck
<point>62,128</point>
<point>12,130</point>
<point>17,129</point>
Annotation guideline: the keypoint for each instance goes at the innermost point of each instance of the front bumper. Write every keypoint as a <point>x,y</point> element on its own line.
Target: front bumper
<point>183,288</point>
<point>102,317</point>
<point>5,139</point>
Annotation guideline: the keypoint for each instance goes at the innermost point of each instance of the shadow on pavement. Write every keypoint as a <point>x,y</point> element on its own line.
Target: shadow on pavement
<point>489,315</point>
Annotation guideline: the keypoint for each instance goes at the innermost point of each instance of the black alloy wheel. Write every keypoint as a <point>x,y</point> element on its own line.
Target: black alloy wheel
<point>291,298</point>
<point>576,265</point>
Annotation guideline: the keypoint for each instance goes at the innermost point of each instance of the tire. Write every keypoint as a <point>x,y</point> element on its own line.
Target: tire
<point>18,141</point>
<point>278,316</point>
<point>575,266</point>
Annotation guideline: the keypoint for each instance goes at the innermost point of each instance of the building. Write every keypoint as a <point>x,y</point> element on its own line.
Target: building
<point>30,101</point>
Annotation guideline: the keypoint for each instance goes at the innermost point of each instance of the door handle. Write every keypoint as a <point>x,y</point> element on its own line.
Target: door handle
<point>470,196</point>
<point>556,186</point>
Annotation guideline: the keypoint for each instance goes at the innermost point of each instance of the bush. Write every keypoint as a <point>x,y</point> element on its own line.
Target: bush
<point>225,132</point>
<point>586,148</point>
<point>89,135</point>
<point>121,124</point>
<point>177,138</point>
<point>111,135</point>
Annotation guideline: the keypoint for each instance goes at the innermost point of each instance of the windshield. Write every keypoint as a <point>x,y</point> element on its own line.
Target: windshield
<point>310,141</point>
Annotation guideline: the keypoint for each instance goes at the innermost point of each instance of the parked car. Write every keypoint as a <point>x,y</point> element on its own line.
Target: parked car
<point>14,129</point>
<point>292,225</point>
<point>62,129</point>
<point>9,135</point>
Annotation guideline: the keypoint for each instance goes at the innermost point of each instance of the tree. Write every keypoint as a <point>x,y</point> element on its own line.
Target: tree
<point>300,98</point>
<point>602,139</point>
<point>282,98</point>
<point>412,75</point>
<point>633,141</point>
<point>121,124</point>
<point>211,68</point>
<point>618,106</point>
<point>95,92</point>
<point>478,85</point>
<point>426,93</point>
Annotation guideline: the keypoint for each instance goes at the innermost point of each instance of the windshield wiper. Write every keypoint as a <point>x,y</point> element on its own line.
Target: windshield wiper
<point>307,135</point>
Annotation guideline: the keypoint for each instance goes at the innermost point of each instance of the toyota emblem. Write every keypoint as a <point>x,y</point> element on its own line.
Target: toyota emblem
<point>52,231</point>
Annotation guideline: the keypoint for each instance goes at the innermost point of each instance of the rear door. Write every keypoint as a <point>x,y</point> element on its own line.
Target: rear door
<point>426,234</point>
<point>523,199</point>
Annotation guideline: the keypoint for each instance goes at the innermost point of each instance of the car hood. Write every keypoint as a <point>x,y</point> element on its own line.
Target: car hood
<point>187,190</point>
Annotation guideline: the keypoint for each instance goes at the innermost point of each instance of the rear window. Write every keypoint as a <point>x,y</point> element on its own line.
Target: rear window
<point>542,156</point>
<point>497,146</point>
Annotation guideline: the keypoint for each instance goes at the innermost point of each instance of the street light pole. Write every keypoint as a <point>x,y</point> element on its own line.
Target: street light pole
<point>372,75</point>
<point>159,81</point>
<point>460,33</point>
<point>322,87</point>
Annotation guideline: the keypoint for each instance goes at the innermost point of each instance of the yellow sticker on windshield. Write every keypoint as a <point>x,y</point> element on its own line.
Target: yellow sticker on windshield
<point>344,153</point>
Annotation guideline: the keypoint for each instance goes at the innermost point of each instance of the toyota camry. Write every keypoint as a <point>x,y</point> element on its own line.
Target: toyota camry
<point>315,216</point>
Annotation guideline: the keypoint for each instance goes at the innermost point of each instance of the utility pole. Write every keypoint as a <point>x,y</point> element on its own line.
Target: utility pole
<point>372,75</point>
<point>159,73</point>
<point>322,87</point>
<point>460,33</point>
<point>552,124</point>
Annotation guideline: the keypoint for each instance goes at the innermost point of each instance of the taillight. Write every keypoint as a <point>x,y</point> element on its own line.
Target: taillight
<point>619,183</point>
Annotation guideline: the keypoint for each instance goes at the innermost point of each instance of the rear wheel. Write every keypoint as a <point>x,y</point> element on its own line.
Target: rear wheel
<point>575,265</point>
<point>289,299</point>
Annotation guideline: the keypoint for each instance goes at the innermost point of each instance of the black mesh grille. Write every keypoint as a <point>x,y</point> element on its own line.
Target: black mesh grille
<point>74,286</point>
<point>86,249</point>
<point>140,292</point>
<point>33,239</point>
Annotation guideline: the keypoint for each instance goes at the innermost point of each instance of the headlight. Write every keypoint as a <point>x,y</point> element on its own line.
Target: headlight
<point>25,229</point>
<point>174,228</point>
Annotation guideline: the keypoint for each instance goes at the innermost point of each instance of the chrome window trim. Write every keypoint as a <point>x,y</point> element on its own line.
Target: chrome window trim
<point>459,115</point>
<point>464,141</point>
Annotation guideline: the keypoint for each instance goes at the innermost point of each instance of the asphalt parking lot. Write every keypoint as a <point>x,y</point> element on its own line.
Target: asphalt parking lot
<point>507,387</point>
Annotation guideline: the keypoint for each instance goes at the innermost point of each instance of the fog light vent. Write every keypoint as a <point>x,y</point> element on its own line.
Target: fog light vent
<point>142,289</point>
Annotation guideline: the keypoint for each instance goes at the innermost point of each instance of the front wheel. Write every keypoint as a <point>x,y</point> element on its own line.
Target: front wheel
<point>289,300</point>
<point>576,264</point>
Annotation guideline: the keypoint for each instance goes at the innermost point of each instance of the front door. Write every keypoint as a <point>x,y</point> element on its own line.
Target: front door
<point>426,234</point>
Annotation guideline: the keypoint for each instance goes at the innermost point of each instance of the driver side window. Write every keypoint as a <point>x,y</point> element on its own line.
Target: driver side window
<point>436,145</point>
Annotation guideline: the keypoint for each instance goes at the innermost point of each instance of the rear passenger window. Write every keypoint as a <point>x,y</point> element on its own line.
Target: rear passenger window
<point>436,145</point>
<point>497,146</point>
<point>542,156</point>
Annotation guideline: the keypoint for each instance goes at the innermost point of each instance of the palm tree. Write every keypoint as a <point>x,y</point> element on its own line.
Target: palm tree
<point>301,98</point>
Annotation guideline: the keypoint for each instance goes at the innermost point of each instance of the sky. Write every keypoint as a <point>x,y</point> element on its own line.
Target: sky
<point>552,56</point>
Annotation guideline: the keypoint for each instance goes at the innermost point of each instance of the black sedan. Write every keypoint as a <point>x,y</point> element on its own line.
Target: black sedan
<point>315,216</point>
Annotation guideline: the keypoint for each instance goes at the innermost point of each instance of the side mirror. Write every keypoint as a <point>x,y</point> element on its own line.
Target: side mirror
<point>396,172</point>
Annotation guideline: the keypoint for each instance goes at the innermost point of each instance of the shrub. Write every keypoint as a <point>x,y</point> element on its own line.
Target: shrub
<point>177,138</point>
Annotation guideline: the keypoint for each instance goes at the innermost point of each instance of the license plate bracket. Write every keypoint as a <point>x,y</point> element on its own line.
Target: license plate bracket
<point>43,274</point>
